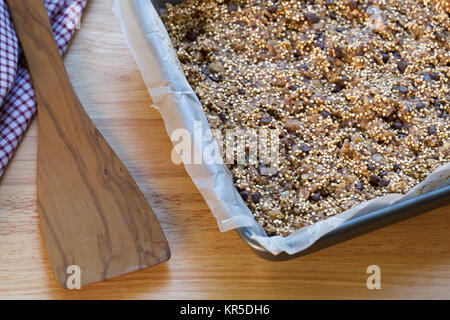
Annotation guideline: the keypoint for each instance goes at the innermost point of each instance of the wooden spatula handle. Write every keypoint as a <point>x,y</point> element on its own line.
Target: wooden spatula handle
<point>32,23</point>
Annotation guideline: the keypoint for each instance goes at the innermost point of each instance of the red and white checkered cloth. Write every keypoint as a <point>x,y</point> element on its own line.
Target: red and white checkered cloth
<point>18,104</point>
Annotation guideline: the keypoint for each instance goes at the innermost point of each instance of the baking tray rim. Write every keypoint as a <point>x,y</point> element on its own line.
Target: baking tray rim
<point>358,226</point>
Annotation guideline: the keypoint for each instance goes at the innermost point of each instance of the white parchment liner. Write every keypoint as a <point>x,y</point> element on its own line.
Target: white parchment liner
<point>180,108</point>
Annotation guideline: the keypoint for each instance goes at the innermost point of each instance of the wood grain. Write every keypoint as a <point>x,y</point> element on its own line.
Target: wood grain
<point>414,256</point>
<point>92,213</point>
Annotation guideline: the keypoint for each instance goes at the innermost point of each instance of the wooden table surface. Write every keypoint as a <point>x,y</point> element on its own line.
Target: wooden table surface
<point>414,255</point>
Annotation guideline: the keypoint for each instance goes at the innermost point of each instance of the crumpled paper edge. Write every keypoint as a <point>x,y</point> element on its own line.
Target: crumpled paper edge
<point>180,108</point>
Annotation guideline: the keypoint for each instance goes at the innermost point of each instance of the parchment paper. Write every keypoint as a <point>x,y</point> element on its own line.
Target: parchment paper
<point>180,108</point>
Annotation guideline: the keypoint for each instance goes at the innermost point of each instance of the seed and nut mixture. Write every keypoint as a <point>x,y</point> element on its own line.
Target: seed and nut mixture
<point>358,89</point>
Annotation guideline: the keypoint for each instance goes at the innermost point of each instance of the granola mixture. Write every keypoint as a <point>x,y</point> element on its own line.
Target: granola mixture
<point>358,89</point>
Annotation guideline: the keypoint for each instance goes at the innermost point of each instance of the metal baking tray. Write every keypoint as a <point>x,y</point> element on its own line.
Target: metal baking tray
<point>354,227</point>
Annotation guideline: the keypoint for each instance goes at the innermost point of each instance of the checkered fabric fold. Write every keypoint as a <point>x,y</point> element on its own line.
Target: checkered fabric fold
<point>18,104</point>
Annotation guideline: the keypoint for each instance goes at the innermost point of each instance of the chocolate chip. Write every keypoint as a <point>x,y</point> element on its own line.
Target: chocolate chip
<point>244,195</point>
<point>339,29</point>
<point>319,35</point>
<point>403,89</point>
<point>305,148</point>
<point>337,88</point>
<point>321,45</point>
<point>397,125</point>
<point>352,4</point>
<point>232,7</point>
<point>333,16</point>
<point>273,8</point>
<point>437,102</point>
<point>265,120</point>
<point>420,106</point>
<point>191,35</point>
<point>383,173</point>
<point>383,183</point>
<point>390,117</point>
<point>374,180</point>
<point>359,186</point>
<point>371,167</point>
<point>396,167</point>
<point>338,52</point>
<point>287,186</point>
<point>223,117</point>
<point>315,197</point>
<point>402,65</point>
<point>344,79</point>
<point>256,197</point>
<point>215,78</point>
<point>325,114</point>
<point>443,116</point>
<point>303,67</point>
<point>396,54</point>
<point>385,57</point>
<point>435,76</point>
<point>205,71</point>
<point>312,18</point>
<point>432,130</point>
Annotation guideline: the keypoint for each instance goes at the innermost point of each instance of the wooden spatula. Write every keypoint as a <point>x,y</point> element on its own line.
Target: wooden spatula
<point>93,215</point>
